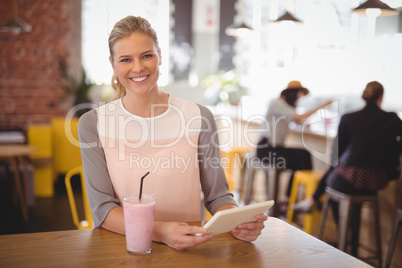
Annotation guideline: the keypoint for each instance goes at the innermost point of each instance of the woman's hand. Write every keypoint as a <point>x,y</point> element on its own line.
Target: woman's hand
<point>328,102</point>
<point>251,230</point>
<point>180,235</point>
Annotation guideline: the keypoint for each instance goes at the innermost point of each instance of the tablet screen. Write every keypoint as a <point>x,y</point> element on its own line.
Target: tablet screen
<point>226,220</point>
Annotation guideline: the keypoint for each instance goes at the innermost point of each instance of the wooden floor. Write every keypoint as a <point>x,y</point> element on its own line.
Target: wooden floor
<point>47,214</point>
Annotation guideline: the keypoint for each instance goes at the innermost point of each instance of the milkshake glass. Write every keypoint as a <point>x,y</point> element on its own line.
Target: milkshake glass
<point>139,222</point>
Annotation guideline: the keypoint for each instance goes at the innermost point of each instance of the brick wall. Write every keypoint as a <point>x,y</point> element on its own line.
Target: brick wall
<point>29,74</point>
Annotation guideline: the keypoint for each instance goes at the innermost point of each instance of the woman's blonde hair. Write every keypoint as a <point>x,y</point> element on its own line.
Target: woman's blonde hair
<point>373,92</point>
<point>123,29</point>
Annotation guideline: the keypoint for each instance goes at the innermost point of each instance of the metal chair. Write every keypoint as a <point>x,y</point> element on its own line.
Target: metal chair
<point>253,164</point>
<point>87,222</point>
<point>394,235</point>
<point>349,214</point>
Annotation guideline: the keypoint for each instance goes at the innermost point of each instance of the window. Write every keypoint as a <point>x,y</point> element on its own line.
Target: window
<point>98,19</point>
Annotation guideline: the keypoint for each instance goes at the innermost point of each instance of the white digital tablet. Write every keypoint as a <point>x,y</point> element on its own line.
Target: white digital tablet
<point>226,220</point>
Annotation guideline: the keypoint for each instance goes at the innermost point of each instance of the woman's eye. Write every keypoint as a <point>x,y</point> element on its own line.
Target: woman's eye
<point>125,60</point>
<point>148,56</point>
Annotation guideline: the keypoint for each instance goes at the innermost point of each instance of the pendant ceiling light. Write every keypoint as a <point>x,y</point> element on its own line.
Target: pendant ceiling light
<point>239,30</point>
<point>375,7</point>
<point>288,17</point>
<point>16,25</point>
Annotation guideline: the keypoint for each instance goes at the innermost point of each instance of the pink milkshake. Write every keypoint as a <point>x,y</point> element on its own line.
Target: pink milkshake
<point>139,222</point>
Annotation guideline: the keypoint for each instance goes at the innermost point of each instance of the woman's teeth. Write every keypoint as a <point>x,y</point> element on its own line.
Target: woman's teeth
<point>139,79</point>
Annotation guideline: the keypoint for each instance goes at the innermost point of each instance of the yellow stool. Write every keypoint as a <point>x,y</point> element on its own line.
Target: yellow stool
<point>310,179</point>
<point>232,159</point>
<point>66,147</point>
<point>40,137</point>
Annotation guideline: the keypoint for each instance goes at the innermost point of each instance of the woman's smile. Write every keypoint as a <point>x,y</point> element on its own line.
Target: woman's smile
<point>139,79</point>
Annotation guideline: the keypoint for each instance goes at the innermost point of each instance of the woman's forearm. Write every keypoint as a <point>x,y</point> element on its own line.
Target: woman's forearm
<point>299,117</point>
<point>114,221</point>
<point>226,206</point>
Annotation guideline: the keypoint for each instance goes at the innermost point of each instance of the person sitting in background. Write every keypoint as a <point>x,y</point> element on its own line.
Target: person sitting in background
<point>369,145</point>
<point>280,113</point>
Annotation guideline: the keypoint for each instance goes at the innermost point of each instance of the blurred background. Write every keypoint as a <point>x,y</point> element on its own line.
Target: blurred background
<point>333,51</point>
<point>234,56</point>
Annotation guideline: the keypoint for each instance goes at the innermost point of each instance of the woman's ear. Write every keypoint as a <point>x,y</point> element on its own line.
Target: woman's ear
<point>111,62</point>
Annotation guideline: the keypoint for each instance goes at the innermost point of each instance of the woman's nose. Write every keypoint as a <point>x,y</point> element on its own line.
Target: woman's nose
<point>137,66</point>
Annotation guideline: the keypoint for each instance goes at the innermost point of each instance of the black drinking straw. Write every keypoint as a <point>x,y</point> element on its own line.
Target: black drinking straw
<point>142,180</point>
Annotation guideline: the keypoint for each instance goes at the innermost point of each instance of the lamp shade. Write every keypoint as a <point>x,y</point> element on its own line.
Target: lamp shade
<point>240,30</point>
<point>16,25</point>
<point>288,17</point>
<point>385,9</point>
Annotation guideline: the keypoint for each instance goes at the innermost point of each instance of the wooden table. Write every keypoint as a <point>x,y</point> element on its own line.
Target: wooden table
<point>15,155</point>
<point>280,245</point>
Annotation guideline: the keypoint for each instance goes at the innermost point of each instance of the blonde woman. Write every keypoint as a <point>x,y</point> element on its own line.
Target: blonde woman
<point>145,129</point>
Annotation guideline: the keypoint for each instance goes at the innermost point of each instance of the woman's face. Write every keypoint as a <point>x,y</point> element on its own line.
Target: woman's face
<point>136,62</point>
